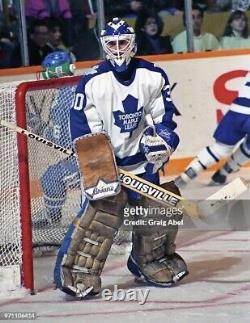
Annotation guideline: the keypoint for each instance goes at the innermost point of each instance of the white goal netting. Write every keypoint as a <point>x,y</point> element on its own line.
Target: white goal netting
<point>41,178</point>
<point>38,178</point>
<point>10,237</point>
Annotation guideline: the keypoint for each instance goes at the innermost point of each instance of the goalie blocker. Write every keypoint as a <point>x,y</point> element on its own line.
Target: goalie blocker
<point>96,161</point>
<point>88,240</point>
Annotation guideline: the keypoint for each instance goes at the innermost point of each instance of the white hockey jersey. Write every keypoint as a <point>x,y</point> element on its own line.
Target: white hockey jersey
<point>242,103</point>
<point>103,102</point>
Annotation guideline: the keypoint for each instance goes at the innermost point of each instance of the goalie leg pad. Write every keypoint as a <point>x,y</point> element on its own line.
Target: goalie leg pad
<point>153,254</point>
<point>86,246</point>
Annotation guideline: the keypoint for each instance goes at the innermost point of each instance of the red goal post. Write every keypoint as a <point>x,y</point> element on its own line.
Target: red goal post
<point>22,164</point>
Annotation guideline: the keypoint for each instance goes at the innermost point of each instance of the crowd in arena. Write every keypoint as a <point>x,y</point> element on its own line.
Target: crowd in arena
<point>71,26</point>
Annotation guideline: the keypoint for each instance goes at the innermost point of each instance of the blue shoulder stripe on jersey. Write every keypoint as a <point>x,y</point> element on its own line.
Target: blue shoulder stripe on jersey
<point>131,160</point>
<point>95,70</point>
<point>79,120</point>
<point>245,102</point>
<point>247,84</point>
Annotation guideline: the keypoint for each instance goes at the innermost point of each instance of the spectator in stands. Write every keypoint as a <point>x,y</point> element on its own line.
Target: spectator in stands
<point>202,40</point>
<point>236,33</point>
<point>37,44</point>
<point>148,30</point>
<point>41,9</point>
<point>85,43</point>
<point>55,37</point>
<point>6,48</point>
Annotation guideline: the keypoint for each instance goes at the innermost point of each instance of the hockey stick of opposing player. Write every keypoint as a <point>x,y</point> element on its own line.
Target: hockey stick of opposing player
<point>152,191</point>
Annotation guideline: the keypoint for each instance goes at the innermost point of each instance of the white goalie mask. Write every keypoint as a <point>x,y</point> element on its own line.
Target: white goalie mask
<point>118,42</point>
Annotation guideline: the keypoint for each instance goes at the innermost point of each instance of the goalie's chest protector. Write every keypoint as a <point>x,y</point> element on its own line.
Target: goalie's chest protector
<point>122,106</point>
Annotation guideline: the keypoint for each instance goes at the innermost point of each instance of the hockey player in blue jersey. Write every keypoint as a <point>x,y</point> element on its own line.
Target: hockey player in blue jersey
<point>115,97</point>
<point>233,128</point>
<point>63,175</point>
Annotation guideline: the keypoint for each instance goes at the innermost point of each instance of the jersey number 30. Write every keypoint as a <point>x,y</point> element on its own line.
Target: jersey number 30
<point>78,102</point>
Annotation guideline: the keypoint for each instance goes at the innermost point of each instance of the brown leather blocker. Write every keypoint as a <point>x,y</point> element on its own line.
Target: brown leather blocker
<point>96,160</point>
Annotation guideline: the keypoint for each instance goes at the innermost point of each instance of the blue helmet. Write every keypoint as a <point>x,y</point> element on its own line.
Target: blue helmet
<point>118,42</point>
<point>57,64</point>
<point>55,59</point>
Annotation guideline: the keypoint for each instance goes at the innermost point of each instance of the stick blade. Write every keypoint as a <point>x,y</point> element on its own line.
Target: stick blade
<point>231,190</point>
<point>227,193</point>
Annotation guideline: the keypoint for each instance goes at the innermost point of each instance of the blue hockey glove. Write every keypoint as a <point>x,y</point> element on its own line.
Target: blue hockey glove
<point>157,151</point>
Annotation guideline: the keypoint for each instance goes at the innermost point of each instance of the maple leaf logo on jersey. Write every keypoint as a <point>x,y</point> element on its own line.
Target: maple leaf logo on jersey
<point>129,119</point>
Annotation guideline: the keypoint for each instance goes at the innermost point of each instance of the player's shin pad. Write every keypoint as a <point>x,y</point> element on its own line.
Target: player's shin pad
<point>153,254</point>
<point>86,246</point>
<point>97,165</point>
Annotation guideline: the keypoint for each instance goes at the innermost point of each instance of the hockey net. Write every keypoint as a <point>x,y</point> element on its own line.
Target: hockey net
<point>24,162</point>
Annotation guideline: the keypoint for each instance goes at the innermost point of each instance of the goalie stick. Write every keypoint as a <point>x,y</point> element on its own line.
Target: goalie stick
<point>152,191</point>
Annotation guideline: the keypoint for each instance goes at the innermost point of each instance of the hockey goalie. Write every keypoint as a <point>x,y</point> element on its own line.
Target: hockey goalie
<point>109,129</point>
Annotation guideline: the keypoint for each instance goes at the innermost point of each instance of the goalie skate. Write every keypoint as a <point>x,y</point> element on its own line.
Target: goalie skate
<point>164,272</point>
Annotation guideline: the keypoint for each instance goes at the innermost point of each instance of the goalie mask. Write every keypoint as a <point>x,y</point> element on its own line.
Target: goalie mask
<point>118,42</point>
<point>57,64</point>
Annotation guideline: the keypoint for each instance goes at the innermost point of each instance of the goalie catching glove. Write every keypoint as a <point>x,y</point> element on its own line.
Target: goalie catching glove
<point>157,143</point>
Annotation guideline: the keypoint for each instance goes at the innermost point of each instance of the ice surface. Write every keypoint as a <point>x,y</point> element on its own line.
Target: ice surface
<point>217,289</point>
